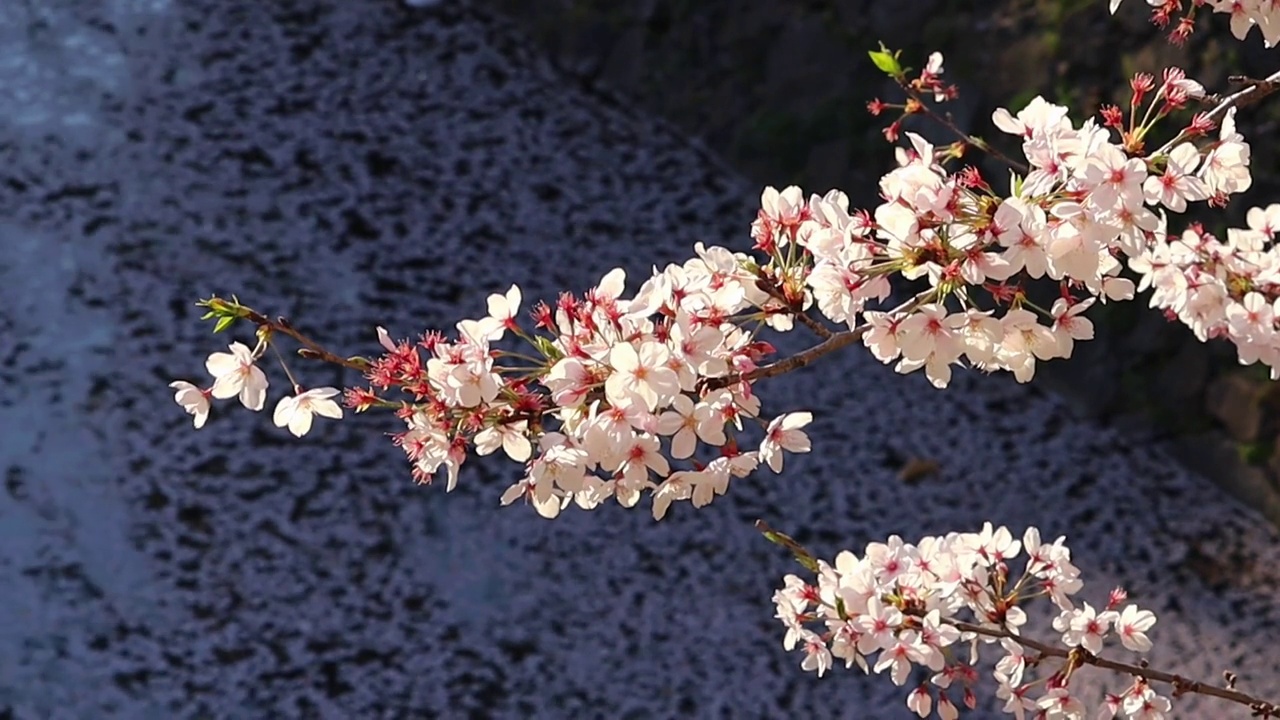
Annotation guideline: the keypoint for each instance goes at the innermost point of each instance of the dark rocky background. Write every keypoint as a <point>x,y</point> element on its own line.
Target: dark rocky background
<point>780,90</point>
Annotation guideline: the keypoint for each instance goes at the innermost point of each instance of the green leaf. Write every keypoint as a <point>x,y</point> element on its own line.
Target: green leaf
<point>801,555</point>
<point>886,61</point>
<point>224,323</point>
<point>547,349</point>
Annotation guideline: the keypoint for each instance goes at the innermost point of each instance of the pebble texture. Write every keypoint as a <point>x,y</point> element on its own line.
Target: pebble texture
<point>357,163</point>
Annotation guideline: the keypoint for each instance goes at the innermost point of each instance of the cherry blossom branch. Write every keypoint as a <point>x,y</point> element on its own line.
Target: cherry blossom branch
<point>834,342</point>
<point>310,349</point>
<point>611,380</point>
<point>818,328</point>
<point>1181,685</point>
<point>901,600</point>
<point>1254,92</point>
<point>946,121</point>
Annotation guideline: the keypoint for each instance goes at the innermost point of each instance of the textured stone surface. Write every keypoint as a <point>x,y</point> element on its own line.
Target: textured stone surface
<point>1236,402</point>
<point>349,164</point>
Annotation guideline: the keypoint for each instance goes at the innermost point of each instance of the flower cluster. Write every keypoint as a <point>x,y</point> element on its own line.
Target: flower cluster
<point>1085,199</point>
<point>1245,15</point>
<point>925,609</point>
<point>611,381</point>
<point>1222,289</point>
<point>236,374</point>
<point>607,389</point>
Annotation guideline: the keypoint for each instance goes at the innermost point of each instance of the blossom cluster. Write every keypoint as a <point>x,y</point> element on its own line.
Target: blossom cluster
<point>1087,199</point>
<point>1245,15</point>
<point>926,609</point>
<point>607,389</point>
<point>1222,289</point>
<point>614,380</point>
<point>604,392</point>
<point>237,375</point>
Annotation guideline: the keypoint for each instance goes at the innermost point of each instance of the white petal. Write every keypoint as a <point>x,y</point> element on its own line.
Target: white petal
<point>384,339</point>
<point>253,395</point>
<point>227,386</point>
<point>326,408</point>
<point>548,508</point>
<point>284,411</point>
<point>300,423</point>
<point>517,446</point>
<point>220,364</point>
<point>255,389</point>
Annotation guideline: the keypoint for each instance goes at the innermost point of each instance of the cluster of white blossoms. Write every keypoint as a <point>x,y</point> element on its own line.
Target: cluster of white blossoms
<point>616,381</point>
<point>1085,202</point>
<point>1245,15</point>
<point>616,388</point>
<point>236,374</point>
<point>607,390</point>
<point>1222,289</point>
<point>925,610</point>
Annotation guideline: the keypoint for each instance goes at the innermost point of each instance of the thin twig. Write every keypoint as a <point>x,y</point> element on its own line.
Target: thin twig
<point>805,319</point>
<point>818,328</point>
<point>1256,90</point>
<point>315,350</point>
<point>836,342</point>
<point>977,142</point>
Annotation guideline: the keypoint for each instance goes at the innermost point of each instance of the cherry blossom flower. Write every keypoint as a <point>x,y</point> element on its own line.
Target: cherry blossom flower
<point>641,374</point>
<point>1225,169</point>
<point>192,399</point>
<point>920,701</point>
<point>688,422</point>
<point>1058,704</point>
<point>677,486</point>
<point>1084,627</point>
<point>296,411</point>
<point>1069,324</point>
<point>780,213</point>
<point>1145,704</point>
<point>510,436</point>
<point>236,374</point>
<point>1132,626</point>
<point>548,507</point>
<point>501,317</point>
<point>817,656</point>
<point>1178,184</point>
<point>784,433</point>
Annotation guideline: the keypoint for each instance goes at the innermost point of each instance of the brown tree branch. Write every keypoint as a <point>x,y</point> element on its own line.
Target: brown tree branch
<point>833,343</point>
<point>313,349</point>
<point>1180,685</point>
